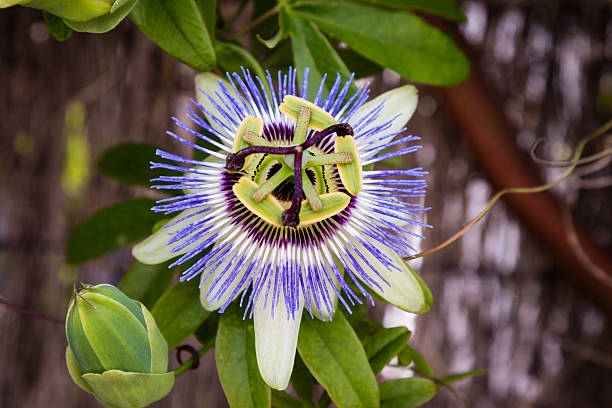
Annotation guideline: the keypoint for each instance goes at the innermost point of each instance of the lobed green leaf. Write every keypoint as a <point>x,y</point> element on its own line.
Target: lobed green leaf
<point>129,163</point>
<point>178,28</point>
<point>444,8</point>
<point>311,49</point>
<point>237,362</point>
<point>111,228</point>
<point>406,392</point>
<point>146,283</point>
<point>397,40</point>
<point>178,312</point>
<point>385,344</point>
<point>334,355</point>
<point>56,26</point>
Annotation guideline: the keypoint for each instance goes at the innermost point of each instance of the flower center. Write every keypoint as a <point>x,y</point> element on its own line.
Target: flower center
<point>291,170</point>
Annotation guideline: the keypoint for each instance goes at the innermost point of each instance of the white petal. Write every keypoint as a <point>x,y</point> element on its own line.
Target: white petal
<point>209,83</point>
<point>404,289</point>
<point>206,285</point>
<point>275,341</point>
<point>154,249</point>
<point>402,101</point>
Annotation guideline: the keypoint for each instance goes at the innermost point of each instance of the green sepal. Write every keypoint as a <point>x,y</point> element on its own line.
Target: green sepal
<point>75,371</point>
<point>118,338</point>
<point>120,389</point>
<point>319,119</point>
<point>350,173</point>
<point>157,342</point>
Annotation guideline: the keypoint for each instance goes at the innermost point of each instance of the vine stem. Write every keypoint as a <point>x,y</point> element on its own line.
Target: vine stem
<point>273,11</point>
<point>522,190</point>
<point>31,313</point>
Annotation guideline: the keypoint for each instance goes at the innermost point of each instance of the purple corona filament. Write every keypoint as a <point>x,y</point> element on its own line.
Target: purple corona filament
<point>238,254</point>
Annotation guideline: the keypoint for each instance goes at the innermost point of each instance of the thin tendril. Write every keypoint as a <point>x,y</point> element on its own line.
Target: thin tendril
<point>565,163</point>
<point>524,190</point>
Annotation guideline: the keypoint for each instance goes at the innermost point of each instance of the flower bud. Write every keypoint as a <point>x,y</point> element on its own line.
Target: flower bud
<point>115,349</point>
<point>96,16</point>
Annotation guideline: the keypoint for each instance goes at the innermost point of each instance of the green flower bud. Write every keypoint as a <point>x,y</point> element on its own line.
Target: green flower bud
<point>95,16</point>
<point>115,349</point>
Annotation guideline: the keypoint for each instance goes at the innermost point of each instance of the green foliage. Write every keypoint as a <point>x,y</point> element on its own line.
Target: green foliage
<point>444,8</point>
<point>384,345</point>
<point>409,355</point>
<point>312,50</point>
<point>397,40</point>
<point>56,26</point>
<point>128,163</point>
<point>406,392</point>
<point>111,228</point>
<point>232,56</point>
<point>328,37</point>
<point>178,312</point>
<point>207,332</point>
<point>237,363</point>
<point>303,382</point>
<point>146,283</point>
<point>334,355</point>
<point>178,27</point>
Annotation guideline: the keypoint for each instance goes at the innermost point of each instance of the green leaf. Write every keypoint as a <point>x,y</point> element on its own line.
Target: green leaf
<point>406,392</point>
<point>105,22</point>
<point>311,49</point>
<point>56,26</point>
<point>146,283</point>
<point>409,355</point>
<point>357,315</point>
<point>207,332</point>
<point>361,66</point>
<point>280,399</point>
<point>444,8</point>
<point>178,28</point>
<point>333,354</point>
<point>231,57</point>
<point>237,362</point>
<point>397,40</point>
<point>111,228</point>
<point>384,345</point>
<point>178,312</point>
<point>303,382</point>
<point>462,376</point>
<point>208,9</point>
<point>129,163</point>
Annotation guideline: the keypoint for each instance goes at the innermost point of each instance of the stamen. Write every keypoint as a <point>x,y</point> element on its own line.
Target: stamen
<point>255,140</point>
<point>332,158</point>
<point>301,126</point>
<point>310,193</point>
<point>269,185</point>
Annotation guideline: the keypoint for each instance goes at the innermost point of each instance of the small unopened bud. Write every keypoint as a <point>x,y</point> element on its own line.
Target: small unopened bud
<point>115,349</point>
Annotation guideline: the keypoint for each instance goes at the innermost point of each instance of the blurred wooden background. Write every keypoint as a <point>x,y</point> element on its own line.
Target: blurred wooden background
<point>502,302</point>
